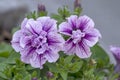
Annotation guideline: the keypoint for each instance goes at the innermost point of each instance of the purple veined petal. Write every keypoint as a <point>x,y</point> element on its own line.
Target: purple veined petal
<point>48,24</point>
<point>116,53</point>
<point>69,47</point>
<point>84,22</point>
<point>26,54</point>
<point>34,27</point>
<point>92,36</point>
<point>37,61</point>
<point>82,50</point>
<point>16,46</point>
<point>16,36</point>
<point>25,40</point>
<point>51,56</point>
<point>42,49</point>
<point>72,21</point>
<point>15,41</point>
<point>55,41</point>
<point>65,28</point>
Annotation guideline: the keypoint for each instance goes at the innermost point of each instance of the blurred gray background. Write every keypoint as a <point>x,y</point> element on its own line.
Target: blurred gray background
<point>105,13</point>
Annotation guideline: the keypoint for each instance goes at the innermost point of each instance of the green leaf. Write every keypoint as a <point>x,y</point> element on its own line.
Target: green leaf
<point>77,11</point>
<point>28,77</point>
<point>2,66</point>
<point>100,55</point>
<point>42,13</point>
<point>52,67</point>
<point>75,67</point>
<point>12,58</point>
<point>5,50</point>
<point>64,75</point>
<point>2,75</point>
<point>68,59</point>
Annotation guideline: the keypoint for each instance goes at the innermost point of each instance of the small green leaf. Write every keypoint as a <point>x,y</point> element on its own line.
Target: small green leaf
<point>28,77</point>
<point>68,59</point>
<point>2,66</point>
<point>52,67</point>
<point>12,58</point>
<point>2,75</point>
<point>75,67</point>
<point>64,75</point>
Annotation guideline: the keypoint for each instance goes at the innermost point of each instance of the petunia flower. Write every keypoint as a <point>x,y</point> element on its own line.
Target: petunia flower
<point>38,41</point>
<point>116,53</point>
<point>82,35</point>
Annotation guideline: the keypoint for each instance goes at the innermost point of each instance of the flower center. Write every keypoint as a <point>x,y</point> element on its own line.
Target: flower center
<point>77,35</point>
<point>39,40</point>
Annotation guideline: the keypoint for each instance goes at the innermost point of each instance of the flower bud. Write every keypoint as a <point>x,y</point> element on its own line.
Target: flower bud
<point>49,75</point>
<point>92,61</point>
<point>77,4</point>
<point>34,78</point>
<point>41,8</point>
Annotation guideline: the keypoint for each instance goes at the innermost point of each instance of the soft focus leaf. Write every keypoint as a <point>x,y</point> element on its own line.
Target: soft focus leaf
<point>75,67</point>
<point>5,50</point>
<point>2,66</point>
<point>68,59</point>
<point>12,58</point>
<point>64,75</point>
<point>100,55</point>
<point>52,67</point>
<point>3,76</point>
<point>28,77</point>
<point>77,11</point>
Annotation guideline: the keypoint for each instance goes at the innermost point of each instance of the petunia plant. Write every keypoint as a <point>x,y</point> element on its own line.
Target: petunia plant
<point>63,46</point>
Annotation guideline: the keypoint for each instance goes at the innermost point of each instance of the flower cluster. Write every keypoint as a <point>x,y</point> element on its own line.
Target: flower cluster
<point>39,40</point>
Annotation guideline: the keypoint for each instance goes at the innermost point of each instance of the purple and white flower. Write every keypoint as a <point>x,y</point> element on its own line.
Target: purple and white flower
<point>38,41</point>
<point>116,53</point>
<point>82,35</point>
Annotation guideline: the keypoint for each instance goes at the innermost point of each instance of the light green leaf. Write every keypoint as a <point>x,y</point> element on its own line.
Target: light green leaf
<point>28,77</point>
<point>75,67</point>
<point>64,75</point>
<point>2,66</point>
<point>68,59</point>
<point>2,75</point>
<point>52,67</point>
<point>100,54</point>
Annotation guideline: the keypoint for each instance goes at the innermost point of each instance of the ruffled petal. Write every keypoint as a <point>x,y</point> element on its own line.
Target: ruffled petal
<point>34,27</point>
<point>15,41</point>
<point>26,54</point>
<point>16,36</point>
<point>65,29</point>
<point>37,61</point>
<point>72,21</point>
<point>116,53</point>
<point>16,46</point>
<point>23,24</point>
<point>84,22</point>
<point>51,56</point>
<point>48,24</point>
<point>55,41</point>
<point>92,36</point>
<point>69,47</point>
<point>25,40</point>
<point>82,50</point>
